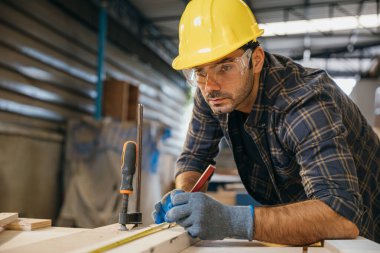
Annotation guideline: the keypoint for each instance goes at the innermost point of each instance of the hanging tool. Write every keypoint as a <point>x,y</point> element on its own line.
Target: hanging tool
<point>128,169</point>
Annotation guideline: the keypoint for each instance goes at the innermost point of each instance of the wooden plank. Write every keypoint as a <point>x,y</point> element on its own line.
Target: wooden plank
<point>10,239</point>
<point>70,242</point>
<point>241,250</point>
<point>27,224</point>
<point>6,218</point>
<point>83,241</point>
<point>359,245</point>
<point>318,250</point>
<point>241,246</point>
<point>169,241</point>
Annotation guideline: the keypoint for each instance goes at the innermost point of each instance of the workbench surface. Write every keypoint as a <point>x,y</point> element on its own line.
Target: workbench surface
<point>176,239</point>
<point>10,239</point>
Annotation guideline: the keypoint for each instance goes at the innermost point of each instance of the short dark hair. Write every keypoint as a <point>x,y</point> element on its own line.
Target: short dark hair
<point>250,45</point>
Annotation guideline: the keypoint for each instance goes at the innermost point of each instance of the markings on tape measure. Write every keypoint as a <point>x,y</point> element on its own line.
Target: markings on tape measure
<point>134,237</point>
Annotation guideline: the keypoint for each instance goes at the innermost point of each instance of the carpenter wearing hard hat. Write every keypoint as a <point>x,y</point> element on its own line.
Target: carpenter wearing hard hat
<point>302,148</point>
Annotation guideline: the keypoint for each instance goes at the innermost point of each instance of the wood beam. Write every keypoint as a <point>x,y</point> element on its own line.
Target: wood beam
<point>6,218</point>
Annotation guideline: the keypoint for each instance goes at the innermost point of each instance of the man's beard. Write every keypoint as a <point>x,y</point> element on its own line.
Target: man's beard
<point>222,108</point>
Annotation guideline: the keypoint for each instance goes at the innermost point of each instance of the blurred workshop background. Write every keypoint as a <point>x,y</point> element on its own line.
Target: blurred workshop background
<point>72,73</point>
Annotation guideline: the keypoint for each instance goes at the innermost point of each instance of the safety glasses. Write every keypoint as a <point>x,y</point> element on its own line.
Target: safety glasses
<point>230,70</point>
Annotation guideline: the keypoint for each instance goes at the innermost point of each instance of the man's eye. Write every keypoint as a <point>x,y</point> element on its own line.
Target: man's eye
<point>226,67</point>
<point>200,73</point>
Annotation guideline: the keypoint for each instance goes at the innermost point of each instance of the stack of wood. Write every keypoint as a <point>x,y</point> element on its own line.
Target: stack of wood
<point>11,221</point>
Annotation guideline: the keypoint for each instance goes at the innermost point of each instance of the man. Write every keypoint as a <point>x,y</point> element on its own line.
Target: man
<point>301,146</point>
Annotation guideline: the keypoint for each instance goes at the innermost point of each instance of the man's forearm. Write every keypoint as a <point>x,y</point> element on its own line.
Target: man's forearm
<point>301,223</point>
<point>187,180</point>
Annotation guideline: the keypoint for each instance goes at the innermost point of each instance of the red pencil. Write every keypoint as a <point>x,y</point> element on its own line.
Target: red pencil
<point>203,179</point>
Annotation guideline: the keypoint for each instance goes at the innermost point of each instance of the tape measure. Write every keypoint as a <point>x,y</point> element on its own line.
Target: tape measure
<point>134,237</point>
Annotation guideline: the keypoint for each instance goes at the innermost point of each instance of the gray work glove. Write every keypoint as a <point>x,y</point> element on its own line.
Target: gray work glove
<point>206,218</point>
<point>164,205</point>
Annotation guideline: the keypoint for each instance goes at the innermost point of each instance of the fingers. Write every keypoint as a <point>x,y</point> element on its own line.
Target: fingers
<point>158,219</point>
<point>162,207</point>
<point>186,222</point>
<point>166,201</point>
<point>158,206</point>
<point>158,214</point>
<point>180,199</point>
<point>177,213</point>
<point>193,231</point>
<point>175,192</point>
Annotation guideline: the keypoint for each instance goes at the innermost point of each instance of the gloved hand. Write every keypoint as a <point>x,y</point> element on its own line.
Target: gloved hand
<point>164,205</point>
<point>206,218</point>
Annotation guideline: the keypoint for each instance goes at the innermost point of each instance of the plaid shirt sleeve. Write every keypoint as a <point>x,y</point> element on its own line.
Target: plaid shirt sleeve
<point>313,130</point>
<point>202,140</point>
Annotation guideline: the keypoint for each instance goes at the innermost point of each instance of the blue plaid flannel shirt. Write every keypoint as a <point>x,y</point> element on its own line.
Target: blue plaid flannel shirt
<point>312,138</point>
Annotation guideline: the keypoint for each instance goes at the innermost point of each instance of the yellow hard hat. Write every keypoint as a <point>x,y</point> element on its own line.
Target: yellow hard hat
<point>212,29</point>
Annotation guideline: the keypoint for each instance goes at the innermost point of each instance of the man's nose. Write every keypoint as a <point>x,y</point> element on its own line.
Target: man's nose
<point>211,84</point>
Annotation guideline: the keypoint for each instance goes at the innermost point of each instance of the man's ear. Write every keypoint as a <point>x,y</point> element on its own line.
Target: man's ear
<point>257,59</point>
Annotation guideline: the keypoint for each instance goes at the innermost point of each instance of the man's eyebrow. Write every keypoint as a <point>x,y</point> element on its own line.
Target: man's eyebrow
<point>228,59</point>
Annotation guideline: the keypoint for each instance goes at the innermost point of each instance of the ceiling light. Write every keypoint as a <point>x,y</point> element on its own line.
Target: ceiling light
<point>320,25</point>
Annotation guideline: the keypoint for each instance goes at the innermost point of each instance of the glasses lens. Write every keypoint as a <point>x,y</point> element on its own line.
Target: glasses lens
<point>225,72</point>
<point>190,77</point>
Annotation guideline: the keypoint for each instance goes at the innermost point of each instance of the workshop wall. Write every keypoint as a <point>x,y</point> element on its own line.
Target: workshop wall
<point>363,95</point>
<point>47,76</point>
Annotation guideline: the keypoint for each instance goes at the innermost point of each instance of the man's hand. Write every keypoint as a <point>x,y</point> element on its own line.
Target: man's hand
<point>206,218</point>
<point>163,206</point>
